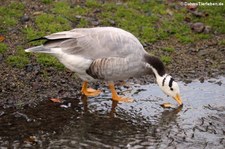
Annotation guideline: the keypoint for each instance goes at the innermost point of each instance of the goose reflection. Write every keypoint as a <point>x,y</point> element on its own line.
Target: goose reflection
<point>112,112</point>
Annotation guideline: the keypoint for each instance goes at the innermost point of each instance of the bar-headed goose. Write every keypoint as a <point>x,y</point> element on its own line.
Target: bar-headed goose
<point>108,54</point>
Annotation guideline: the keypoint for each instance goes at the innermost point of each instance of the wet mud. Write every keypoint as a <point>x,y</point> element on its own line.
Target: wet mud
<point>98,122</point>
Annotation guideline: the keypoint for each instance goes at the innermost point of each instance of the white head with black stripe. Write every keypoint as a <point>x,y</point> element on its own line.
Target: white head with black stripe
<point>169,87</point>
<point>165,81</point>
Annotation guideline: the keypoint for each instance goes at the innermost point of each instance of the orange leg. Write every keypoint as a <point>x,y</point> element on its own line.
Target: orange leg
<point>89,91</point>
<point>115,96</point>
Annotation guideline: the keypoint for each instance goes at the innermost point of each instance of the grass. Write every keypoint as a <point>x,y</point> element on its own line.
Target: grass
<point>19,60</point>
<point>149,21</point>
<point>222,42</point>
<point>166,59</point>
<point>168,49</point>
<point>3,47</point>
<point>10,15</point>
<point>49,61</point>
<point>47,1</point>
<point>215,17</point>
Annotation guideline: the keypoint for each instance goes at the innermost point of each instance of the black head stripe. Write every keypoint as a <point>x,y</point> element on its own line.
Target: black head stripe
<point>164,79</point>
<point>171,82</point>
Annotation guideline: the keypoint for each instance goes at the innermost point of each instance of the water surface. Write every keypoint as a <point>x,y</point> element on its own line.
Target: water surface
<point>100,123</point>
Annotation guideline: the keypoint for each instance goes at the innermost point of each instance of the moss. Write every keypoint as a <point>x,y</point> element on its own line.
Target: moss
<point>166,59</point>
<point>49,61</point>
<point>185,38</point>
<point>17,61</point>
<point>62,8</point>
<point>49,23</point>
<point>3,47</point>
<point>47,1</point>
<point>222,42</point>
<point>168,49</point>
<point>10,15</point>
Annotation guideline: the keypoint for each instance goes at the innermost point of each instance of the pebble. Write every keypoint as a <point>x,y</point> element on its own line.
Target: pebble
<point>219,83</point>
<point>207,29</point>
<point>222,66</point>
<point>222,62</point>
<point>187,81</point>
<point>29,68</point>
<point>194,49</point>
<point>112,22</point>
<point>25,18</point>
<point>198,27</point>
<point>95,23</point>
<point>192,7</point>
<point>1,57</point>
<point>78,16</point>
<point>206,52</point>
<point>202,79</point>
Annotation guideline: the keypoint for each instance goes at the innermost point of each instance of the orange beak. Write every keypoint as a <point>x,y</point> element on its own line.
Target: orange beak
<point>178,99</point>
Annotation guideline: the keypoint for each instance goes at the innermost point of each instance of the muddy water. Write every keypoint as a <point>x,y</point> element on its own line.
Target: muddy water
<point>99,123</point>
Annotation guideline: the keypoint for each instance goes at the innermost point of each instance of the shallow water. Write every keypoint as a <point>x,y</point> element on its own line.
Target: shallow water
<point>99,123</point>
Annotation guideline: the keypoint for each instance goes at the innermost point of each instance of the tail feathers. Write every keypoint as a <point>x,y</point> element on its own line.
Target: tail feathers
<point>39,49</point>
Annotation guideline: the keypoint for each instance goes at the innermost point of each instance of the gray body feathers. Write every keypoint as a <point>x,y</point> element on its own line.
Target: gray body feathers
<point>101,53</point>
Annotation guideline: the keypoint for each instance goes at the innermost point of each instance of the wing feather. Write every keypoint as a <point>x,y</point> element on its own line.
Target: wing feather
<point>96,43</point>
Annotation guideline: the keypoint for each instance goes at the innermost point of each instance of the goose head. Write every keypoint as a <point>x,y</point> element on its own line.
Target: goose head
<point>169,87</point>
<point>165,81</point>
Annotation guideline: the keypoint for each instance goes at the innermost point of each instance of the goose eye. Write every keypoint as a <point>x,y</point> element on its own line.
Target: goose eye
<point>171,89</point>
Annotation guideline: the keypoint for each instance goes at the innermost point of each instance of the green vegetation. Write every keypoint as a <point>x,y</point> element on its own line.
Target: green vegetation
<point>19,60</point>
<point>166,59</point>
<point>47,1</point>
<point>215,15</point>
<point>3,47</point>
<point>10,15</point>
<point>49,61</point>
<point>150,21</point>
<point>222,42</point>
<point>168,49</point>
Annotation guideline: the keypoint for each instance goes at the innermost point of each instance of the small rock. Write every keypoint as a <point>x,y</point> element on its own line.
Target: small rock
<point>36,69</point>
<point>206,52</point>
<point>187,19</point>
<point>194,49</point>
<point>112,22</point>
<point>192,7</point>
<point>169,12</point>
<point>29,68</point>
<point>187,81</point>
<point>207,29</point>
<point>219,83</point>
<point>202,79</point>
<point>1,57</point>
<point>78,17</point>
<point>2,113</point>
<point>97,10</point>
<point>222,67</point>
<point>198,27</point>
<point>197,14</point>
<point>222,62</point>
<point>25,18</point>
<point>37,13</point>
<point>95,23</point>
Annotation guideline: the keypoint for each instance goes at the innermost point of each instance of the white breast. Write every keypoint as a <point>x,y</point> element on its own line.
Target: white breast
<point>75,63</point>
